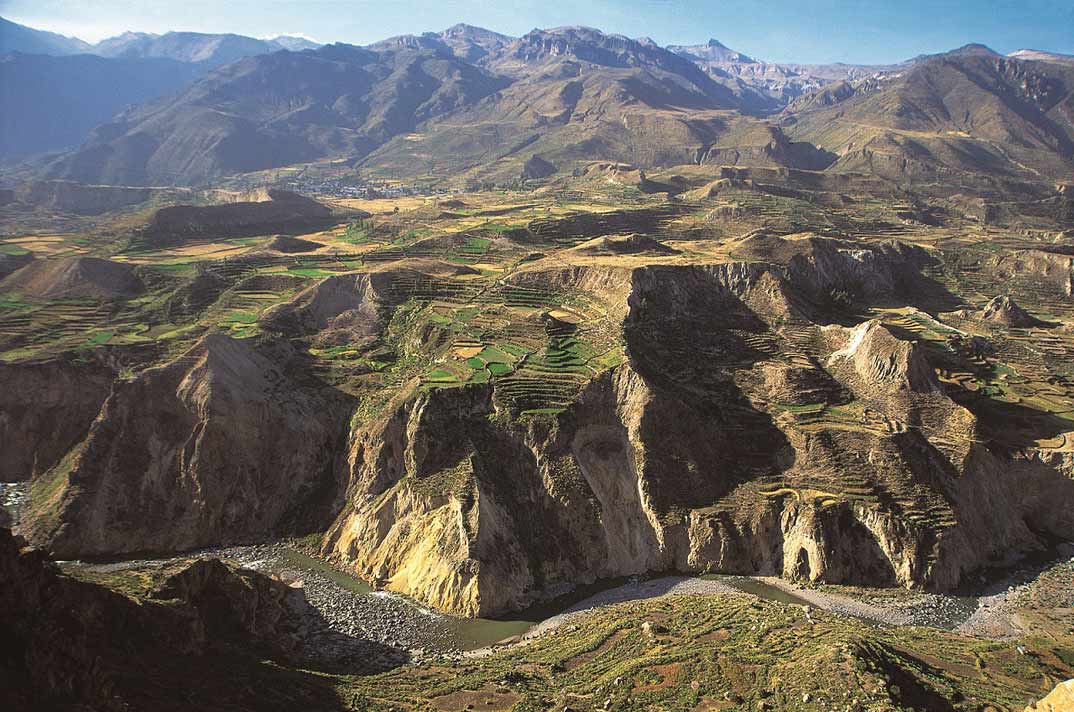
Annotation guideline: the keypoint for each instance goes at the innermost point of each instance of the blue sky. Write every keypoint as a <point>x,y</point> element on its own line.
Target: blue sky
<point>866,31</point>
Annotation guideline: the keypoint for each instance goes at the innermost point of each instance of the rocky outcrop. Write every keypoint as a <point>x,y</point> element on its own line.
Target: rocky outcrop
<point>348,308</point>
<point>230,442</point>
<point>71,644</point>
<point>1059,699</point>
<point>876,359</point>
<point>1005,311</point>
<point>714,444</point>
<point>537,168</point>
<point>827,274</point>
<point>278,211</point>
<point>75,278</point>
<point>45,409</point>
<point>232,603</point>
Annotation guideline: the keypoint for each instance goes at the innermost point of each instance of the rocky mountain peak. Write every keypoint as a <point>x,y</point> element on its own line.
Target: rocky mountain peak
<point>881,359</point>
<point>1004,310</point>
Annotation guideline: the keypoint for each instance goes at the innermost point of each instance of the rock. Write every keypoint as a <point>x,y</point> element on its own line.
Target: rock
<point>75,278</point>
<point>882,361</point>
<point>612,488</point>
<point>71,644</point>
<point>1049,266</point>
<point>1060,699</point>
<point>264,212</point>
<point>220,445</point>
<point>46,407</point>
<point>1004,310</point>
<point>537,168</point>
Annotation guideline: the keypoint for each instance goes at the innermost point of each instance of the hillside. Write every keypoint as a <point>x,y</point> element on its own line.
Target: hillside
<point>769,86</point>
<point>567,371</point>
<point>577,94</point>
<point>968,112</point>
<point>52,103</point>
<point>447,417</point>
<point>473,106</point>
<point>335,101</point>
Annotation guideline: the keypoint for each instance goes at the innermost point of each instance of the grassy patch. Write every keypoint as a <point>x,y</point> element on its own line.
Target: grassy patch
<point>15,250</point>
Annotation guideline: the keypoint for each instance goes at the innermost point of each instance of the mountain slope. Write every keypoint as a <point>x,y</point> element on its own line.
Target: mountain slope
<point>212,49</point>
<point>473,43</point>
<point>967,112</point>
<point>572,93</point>
<point>276,109</point>
<point>19,38</point>
<point>579,95</point>
<point>51,103</point>
<point>711,51</point>
<point>769,86</point>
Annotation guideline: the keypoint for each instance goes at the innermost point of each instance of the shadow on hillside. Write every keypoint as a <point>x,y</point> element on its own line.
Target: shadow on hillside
<point>1009,426</point>
<point>686,336</point>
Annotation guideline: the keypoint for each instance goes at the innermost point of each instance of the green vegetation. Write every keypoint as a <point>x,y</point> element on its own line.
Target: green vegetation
<point>728,652</point>
<point>358,232</point>
<point>15,250</point>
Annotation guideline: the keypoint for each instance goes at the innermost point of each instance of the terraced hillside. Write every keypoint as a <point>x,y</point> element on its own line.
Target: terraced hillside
<point>509,393</point>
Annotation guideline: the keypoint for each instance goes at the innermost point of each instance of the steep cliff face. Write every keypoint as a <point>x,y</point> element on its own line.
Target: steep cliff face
<point>45,408</point>
<point>344,309</point>
<point>689,456</point>
<point>875,359</point>
<point>226,443</point>
<point>725,432</point>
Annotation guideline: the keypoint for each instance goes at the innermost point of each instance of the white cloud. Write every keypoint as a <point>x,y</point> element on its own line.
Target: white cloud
<point>299,35</point>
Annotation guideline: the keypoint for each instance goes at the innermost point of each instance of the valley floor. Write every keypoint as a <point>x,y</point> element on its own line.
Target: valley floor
<point>1034,603</point>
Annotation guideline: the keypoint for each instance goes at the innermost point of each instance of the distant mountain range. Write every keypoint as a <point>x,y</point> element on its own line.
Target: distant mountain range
<point>477,105</point>
<point>211,49</point>
<point>19,38</point>
<point>55,89</point>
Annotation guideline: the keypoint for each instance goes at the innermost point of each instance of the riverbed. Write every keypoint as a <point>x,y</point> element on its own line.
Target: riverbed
<point>353,608</point>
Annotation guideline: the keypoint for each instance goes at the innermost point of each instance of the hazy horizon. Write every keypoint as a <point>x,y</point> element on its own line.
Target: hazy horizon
<point>856,33</point>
